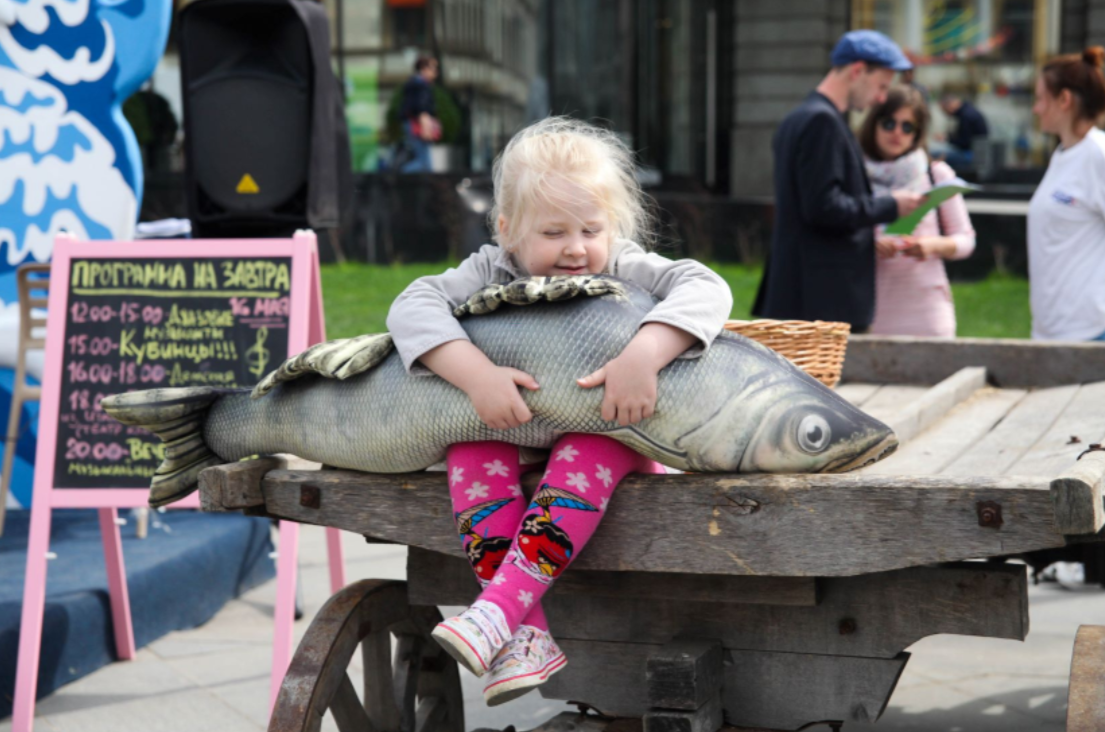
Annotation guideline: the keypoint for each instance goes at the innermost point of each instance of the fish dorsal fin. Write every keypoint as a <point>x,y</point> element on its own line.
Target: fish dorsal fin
<point>530,290</point>
<point>338,359</point>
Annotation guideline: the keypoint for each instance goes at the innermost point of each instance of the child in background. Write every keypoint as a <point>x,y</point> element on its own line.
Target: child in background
<point>566,203</point>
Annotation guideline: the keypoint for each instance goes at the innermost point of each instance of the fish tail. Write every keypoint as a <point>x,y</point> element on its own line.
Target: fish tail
<point>176,416</point>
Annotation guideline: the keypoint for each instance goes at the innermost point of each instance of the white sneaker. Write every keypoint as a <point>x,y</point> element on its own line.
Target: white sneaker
<point>475,636</point>
<point>527,660</point>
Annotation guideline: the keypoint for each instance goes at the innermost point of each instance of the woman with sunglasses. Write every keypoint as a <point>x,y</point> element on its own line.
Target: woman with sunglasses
<point>912,294</point>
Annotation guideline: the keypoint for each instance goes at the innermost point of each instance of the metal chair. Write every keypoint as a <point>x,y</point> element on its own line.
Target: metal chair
<point>34,283</point>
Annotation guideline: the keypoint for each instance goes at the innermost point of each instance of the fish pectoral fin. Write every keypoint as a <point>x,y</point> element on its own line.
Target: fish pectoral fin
<point>642,443</point>
<point>338,359</point>
<point>530,290</point>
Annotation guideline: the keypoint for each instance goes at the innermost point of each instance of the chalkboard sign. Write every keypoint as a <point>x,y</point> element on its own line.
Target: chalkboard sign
<point>143,315</point>
<point>153,324</point>
<point>161,314</point>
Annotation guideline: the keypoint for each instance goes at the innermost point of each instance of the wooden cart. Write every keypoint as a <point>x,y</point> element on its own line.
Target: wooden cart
<point>756,601</point>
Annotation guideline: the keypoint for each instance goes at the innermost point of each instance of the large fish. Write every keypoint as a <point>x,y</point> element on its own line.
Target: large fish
<point>740,407</point>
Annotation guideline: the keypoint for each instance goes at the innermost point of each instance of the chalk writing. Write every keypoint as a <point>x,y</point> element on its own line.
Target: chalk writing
<point>158,323</point>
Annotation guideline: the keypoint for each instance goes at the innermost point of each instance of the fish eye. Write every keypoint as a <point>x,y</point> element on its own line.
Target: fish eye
<point>814,434</point>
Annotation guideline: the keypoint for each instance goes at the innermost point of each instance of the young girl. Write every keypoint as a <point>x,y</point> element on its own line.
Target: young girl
<point>566,203</point>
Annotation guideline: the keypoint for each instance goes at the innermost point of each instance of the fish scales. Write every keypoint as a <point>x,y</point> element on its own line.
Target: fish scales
<point>738,407</point>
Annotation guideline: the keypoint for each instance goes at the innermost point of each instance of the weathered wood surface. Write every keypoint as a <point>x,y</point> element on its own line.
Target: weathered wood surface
<point>1017,364</point>
<point>889,400</point>
<point>437,579</point>
<point>237,486</point>
<point>421,693</point>
<point>787,690</point>
<point>1025,424</point>
<point>684,674</point>
<point>318,667</point>
<point>1086,696</point>
<point>1054,452</point>
<point>876,615</point>
<point>1078,496</point>
<point>773,525</point>
<point>938,446</point>
<point>771,690</point>
<point>857,394</point>
<point>913,418</point>
<point>707,718</point>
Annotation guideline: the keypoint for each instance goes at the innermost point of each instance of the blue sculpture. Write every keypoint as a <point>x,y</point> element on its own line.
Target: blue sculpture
<point>68,159</point>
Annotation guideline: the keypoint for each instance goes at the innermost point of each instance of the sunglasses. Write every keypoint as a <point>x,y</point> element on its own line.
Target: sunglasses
<point>889,124</point>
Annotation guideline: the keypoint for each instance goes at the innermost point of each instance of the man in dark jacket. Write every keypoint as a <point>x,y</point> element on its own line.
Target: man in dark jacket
<point>822,260</point>
<point>417,114</point>
<point>969,124</point>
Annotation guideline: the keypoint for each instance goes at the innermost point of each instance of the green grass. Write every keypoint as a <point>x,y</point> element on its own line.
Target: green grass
<point>358,296</point>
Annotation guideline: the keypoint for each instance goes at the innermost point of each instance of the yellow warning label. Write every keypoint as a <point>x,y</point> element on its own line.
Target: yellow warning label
<point>247,185</point>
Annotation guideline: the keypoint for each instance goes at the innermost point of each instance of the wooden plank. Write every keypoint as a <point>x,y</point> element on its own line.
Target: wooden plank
<point>931,451</point>
<point>1015,364</point>
<point>889,400</point>
<point>789,690</point>
<point>886,612</point>
<point>770,525</point>
<point>929,408</point>
<point>237,486</point>
<point>857,394</point>
<point>608,676</point>
<point>707,718</point>
<point>1077,494</point>
<point>1015,434</point>
<point>436,579</point>
<point>684,674</point>
<point>772,690</point>
<point>1054,452</point>
<point>1086,696</point>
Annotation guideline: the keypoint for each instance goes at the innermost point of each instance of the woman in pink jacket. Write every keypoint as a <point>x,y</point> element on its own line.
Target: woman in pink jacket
<point>912,294</point>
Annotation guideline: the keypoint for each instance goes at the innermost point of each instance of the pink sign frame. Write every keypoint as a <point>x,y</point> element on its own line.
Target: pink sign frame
<point>305,327</point>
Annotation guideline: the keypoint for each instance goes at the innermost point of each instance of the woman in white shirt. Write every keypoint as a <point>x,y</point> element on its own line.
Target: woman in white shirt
<point>1066,217</point>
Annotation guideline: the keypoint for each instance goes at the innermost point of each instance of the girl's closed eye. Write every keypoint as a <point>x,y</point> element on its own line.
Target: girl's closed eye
<point>592,232</point>
<point>553,233</point>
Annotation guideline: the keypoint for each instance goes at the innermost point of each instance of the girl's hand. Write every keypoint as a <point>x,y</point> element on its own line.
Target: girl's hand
<point>495,396</point>
<point>926,247</point>
<point>631,377</point>
<point>630,388</point>
<point>492,389</point>
<point>887,246</point>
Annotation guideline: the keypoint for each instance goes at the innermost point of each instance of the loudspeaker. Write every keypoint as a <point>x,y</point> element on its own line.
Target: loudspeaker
<point>251,90</point>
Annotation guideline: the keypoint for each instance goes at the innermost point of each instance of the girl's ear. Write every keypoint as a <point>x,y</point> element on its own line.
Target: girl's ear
<point>1066,100</point>
<point>504,232</point>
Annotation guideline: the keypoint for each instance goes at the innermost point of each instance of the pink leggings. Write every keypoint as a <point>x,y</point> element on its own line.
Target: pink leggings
<point>519,549</point>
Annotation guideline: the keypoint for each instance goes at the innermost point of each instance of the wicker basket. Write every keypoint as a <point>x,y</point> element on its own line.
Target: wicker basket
<point>817,347</point>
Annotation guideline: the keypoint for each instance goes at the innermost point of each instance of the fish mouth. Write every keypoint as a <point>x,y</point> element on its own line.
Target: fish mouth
<point>881,449</point>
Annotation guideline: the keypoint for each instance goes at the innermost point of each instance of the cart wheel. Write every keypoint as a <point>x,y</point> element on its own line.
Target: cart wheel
<point>1086,698</point>
<point>416,689</point>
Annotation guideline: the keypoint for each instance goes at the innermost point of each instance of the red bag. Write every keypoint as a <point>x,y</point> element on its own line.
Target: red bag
<point>434,133</point>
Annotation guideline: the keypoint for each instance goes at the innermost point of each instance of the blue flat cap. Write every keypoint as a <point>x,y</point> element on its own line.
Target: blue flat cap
<point>872,47</point>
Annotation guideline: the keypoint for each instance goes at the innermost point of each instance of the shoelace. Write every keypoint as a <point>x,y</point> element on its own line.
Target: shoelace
<point>488,625</point>
<point>520,653</point>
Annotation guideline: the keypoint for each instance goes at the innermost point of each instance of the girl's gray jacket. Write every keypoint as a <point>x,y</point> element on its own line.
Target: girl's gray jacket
<point>693,297</point>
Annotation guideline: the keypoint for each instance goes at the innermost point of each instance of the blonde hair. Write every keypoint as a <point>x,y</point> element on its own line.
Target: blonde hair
<point>566,149</point>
